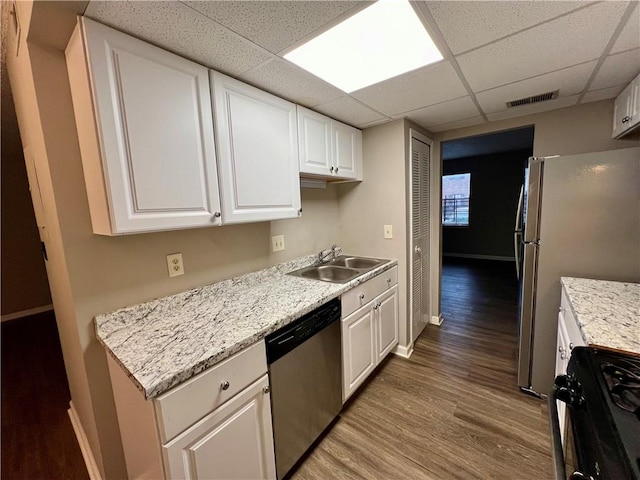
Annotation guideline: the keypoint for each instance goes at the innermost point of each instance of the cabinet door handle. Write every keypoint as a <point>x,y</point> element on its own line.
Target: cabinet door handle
<point>336,169</point>
<point>224,385</point>
<point>626,119</point>
<point>362,296</point>
<point>331,169</point>
<point>266,389</point>
<point>217,215</point>
<point>571,347</point>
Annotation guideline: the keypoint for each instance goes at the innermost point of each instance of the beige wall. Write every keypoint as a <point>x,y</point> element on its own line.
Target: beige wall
<point>572,130</point>
<point>24,278</point>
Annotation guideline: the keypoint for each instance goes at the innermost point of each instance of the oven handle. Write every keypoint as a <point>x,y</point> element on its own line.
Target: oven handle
<point>556,439</point>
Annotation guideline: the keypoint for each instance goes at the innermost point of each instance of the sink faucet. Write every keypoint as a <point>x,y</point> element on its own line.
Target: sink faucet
<point>327,255</point>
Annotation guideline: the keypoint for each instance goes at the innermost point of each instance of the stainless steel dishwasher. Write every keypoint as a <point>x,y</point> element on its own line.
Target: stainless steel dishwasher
<point>305,376</point>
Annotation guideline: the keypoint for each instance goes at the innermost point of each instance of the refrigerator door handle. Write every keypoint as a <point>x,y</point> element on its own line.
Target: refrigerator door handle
<point>519,210</point>
<point>516,246</point>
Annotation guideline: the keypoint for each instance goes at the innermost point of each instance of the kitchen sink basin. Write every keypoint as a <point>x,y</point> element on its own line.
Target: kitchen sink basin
<point>357,262</point>
<point>328,273</point>
<point>340,270</point>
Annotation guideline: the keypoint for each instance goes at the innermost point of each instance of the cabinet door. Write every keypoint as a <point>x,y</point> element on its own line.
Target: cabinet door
<point>358,349</point>
<point>151,165</point>
<point>257,138</point>
<point>235,441</point>
<point>386,322</point>
<point>314,131</point>
<point>347,151</point>
<point>622,108</point>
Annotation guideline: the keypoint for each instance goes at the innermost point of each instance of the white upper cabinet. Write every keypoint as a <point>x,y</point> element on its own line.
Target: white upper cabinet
<point>328,148</point>
<point>314,130</point>
<point>145,128</point>
<point>626,109</point>
<point>347,151</point>
<point>257,139</point>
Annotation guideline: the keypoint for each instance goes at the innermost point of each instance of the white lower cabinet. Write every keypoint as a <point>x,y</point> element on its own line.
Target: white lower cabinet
<point>233,442</point>
<point>370,332</point>
<point>358,349</point>
<point>216,425</point>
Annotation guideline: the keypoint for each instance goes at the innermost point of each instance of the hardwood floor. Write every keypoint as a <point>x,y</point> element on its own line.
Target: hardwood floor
<point>38,441</point>
<point>454,409</point>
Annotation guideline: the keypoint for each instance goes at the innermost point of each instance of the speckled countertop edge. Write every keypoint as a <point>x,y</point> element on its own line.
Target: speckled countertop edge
<point>163,342</point>
<point>607,313</point>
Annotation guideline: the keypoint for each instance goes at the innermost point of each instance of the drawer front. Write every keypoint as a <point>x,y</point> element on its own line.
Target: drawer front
<point>187,403</point>
<point>362,294</point>
<point>574,335</point>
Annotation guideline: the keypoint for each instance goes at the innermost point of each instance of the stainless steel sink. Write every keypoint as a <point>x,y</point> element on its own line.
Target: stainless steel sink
<point>328,273</point>
<point>340,270</point>
<point>357,262</point>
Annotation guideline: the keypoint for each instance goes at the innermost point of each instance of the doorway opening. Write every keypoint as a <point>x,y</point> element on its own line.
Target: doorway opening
<point>482,177</point>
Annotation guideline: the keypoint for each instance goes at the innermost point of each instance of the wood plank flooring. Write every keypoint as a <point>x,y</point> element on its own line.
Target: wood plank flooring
<point>38,441</point>
<point>454,409</point>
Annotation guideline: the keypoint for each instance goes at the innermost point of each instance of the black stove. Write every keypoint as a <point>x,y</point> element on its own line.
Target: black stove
<point>602,392</point>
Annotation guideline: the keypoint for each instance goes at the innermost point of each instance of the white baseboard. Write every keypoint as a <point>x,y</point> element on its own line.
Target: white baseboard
<point>402,351</point>
<point>480,257</point>
<point>85,448</point>
<point>26,313</point>
<point>436,320</point>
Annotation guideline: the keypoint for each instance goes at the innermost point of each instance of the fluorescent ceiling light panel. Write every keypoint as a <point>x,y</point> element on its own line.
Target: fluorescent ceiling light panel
<point>380,42</point>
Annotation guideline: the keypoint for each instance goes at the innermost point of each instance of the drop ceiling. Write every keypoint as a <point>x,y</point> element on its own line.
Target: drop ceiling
<point>494,52</point>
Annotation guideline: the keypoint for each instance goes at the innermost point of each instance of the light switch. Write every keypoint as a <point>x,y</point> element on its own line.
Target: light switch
<point>277,243</point>
<point>388,231</point>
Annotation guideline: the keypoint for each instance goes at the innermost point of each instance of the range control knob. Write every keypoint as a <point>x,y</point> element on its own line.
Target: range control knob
<point>569,390</point>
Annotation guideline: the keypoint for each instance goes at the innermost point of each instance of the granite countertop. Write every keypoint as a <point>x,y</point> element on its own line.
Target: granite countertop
<point>607,313</point>
<point>166,341</point>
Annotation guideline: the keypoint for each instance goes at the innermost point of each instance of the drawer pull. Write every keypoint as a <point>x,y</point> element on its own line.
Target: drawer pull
<point>224,385</point>
<point>362,296</point>
<point>266,389</point>
<point>571,347</point>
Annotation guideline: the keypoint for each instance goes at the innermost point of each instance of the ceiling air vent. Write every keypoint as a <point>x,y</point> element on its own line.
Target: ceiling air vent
<point>541,97</point>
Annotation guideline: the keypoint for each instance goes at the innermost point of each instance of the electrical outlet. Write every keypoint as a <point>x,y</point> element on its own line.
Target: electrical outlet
<point>388,231</point>
<point>277,242</point>
<point>175,265</point>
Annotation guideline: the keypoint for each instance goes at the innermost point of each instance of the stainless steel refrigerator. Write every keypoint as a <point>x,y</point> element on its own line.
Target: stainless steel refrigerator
<point>578,216</point>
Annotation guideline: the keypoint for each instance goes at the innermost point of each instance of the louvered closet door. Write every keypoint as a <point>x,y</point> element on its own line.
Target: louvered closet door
<point>419,236</point>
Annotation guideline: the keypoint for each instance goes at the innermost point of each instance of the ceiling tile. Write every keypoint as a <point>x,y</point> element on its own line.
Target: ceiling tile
<point>467,25</point>
<point>282,78</point>
<point>604,94</point>
<point>618,69</point>
<point>569,40</point>
<point>177,28</point>
<point>350,111</point>
<point>630,36</point>
<point>445,112</point>
<point>425,86</point>
<point>467,122</point>
<point>273,25</point>
<point>534,108</point>
<point>568,81</point>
